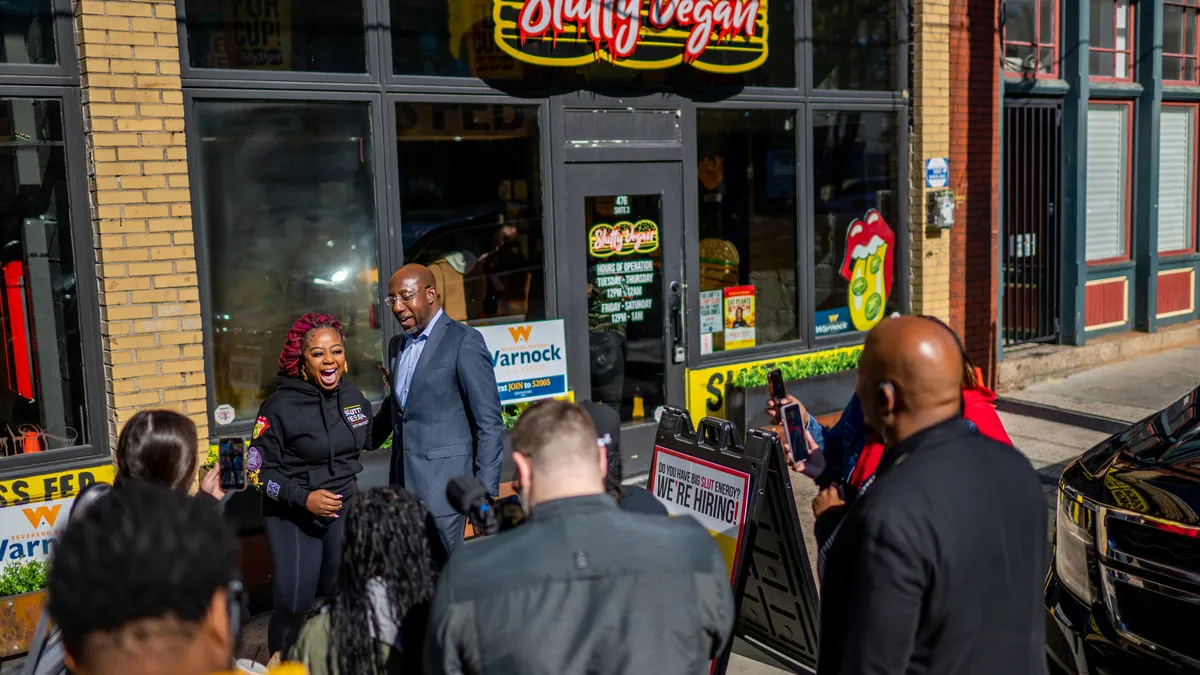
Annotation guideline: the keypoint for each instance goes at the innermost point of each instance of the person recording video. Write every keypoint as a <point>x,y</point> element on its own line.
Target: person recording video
<point>553,589</point>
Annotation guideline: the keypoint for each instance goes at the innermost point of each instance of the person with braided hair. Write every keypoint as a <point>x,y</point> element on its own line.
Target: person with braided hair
<point>305,447</point>
<point>373,620</point>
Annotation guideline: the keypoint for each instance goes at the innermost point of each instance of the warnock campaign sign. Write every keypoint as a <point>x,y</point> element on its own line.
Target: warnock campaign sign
<point>715,495</point>
<point>31,531</point>
<point>530,359</point>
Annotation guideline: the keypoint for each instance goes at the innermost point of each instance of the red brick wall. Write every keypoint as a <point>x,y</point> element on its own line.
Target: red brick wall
<point>975,174</point>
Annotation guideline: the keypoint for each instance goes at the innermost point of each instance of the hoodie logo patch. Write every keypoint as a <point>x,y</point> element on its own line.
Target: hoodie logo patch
<point>260,425</point>
<point>253,459</point>
<point>355,416</point>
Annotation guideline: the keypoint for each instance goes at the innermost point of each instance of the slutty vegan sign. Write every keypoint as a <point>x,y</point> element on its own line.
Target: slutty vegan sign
<point>724,36</point>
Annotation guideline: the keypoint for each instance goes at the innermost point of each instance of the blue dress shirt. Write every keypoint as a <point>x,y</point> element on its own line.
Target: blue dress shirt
<point>410,354</point>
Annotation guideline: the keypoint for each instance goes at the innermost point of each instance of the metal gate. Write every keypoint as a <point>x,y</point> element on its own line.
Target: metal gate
<point>1031,241</point>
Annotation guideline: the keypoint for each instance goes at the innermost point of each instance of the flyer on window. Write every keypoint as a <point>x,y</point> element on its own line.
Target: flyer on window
<point>739,317</point>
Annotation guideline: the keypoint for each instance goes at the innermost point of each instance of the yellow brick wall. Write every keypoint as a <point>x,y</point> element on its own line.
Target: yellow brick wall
<point>930,138</point>
<point>141,209</point>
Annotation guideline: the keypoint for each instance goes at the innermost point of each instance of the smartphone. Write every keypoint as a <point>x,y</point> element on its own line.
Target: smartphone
<point>775,383</point>
<point>231,458</point>
<point>793,426</point>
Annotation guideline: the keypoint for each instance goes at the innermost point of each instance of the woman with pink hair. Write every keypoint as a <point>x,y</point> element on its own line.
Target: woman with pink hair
<point>305,448</point>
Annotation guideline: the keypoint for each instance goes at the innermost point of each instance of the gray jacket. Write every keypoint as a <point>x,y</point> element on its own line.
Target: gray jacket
<point>582,587</point>
<point>452,424</point>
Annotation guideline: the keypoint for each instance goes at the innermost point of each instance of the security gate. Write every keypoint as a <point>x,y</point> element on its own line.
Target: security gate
<point>1031,250</point>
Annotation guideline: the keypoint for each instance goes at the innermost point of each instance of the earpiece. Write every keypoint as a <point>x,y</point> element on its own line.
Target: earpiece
<point>886,391</point>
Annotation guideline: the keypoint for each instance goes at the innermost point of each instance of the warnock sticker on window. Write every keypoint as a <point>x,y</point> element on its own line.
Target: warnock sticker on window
<point>719,36</point>
<point>530,359</point>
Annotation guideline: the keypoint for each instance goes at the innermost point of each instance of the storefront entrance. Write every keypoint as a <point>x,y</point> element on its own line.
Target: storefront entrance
<point>623,296</point>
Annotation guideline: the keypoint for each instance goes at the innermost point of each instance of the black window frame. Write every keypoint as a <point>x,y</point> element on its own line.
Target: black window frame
<point>383,87</point>
<point>61,81</point>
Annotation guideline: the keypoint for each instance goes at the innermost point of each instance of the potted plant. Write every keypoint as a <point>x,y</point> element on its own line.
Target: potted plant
<point>22,585</point>
<point>823,382</point>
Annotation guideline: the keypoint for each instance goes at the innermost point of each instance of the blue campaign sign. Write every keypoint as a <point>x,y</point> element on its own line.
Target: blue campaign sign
<point>529,359</point>
<point>937,172</point>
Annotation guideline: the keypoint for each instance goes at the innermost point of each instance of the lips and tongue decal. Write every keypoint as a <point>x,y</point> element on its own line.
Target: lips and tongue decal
<point>860,244</point>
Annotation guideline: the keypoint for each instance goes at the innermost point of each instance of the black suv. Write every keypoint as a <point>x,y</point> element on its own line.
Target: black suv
<point>1123,592</point>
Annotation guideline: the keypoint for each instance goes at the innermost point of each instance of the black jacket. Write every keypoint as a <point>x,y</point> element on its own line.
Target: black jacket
<point>939,567</point>
<point>309,440</point>
<point>583,587</point>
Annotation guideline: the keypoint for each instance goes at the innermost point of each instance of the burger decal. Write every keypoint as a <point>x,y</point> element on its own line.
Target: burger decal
<point>867,267</point>
<point>718,36</point>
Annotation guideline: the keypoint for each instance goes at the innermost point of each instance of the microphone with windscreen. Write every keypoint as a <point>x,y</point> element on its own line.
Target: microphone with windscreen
<point>469,497</point>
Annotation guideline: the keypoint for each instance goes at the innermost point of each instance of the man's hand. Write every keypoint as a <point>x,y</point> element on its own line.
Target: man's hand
<point>387,377</point>
<point>773,409</point>
<point>827,499</point>
<point>324,503</point>
<point>211,484</point>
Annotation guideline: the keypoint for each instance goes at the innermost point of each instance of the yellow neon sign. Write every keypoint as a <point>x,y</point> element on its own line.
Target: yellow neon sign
<point>717,36</point>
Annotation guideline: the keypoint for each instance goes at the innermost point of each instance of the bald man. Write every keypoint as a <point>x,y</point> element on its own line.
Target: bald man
<point>445,407</point>
<point>939,567</point>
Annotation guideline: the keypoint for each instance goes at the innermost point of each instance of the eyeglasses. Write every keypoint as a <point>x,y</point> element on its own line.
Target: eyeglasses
<point>404,297</point>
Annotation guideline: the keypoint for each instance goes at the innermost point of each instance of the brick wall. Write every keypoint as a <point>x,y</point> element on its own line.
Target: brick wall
<point>975,157</point>
<point>141,208</point>
<point>930,250</point>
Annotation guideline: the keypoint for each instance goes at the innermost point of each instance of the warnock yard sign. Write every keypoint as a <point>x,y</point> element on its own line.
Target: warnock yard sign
<point>719,36</point>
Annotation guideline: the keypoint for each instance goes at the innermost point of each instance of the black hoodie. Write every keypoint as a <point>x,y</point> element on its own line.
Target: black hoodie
<point>309,439</point>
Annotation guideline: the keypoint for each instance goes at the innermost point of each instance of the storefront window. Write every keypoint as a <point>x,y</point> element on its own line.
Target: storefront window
<point>289,227</point>
<point>856,186</point>
<point>1179,41</point>
<point>458,38</point>
<point>41,385</point>
<point>471,206</point>
<point>1111,45</point>
<point>318,36</point>
<point>27,32</point>
<point>855,44</point>
<point>1030,40</point>
<point>747,189</point>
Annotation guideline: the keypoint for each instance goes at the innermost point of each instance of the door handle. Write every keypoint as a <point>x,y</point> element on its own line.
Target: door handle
<point>678,351</point>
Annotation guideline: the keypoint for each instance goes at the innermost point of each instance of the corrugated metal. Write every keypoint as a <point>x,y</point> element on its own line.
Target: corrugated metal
<point>1176,169</point>
<point>1107,144</point>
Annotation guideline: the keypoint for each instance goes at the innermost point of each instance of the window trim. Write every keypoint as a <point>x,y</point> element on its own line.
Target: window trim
<point>1128,254</point>
<point>1129,48</point>
<point>95,403</point>
<point>1184,57</point>
<point>65,71</point>
<point>1194,108</point>
<point>1056,32</point>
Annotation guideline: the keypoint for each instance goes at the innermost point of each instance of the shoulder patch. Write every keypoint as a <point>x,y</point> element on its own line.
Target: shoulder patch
<point>260,425</point>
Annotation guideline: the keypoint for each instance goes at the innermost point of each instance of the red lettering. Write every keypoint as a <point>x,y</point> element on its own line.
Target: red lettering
<point>615,25</point>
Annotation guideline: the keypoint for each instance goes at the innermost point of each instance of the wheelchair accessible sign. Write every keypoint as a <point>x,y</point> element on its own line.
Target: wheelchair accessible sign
<point>529,359</point>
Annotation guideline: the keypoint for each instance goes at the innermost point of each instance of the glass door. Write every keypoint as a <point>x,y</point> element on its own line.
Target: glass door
<point>624,296</point>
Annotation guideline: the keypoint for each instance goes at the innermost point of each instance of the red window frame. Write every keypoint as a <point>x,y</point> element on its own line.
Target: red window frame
<point>1037,46</point>
<point>1195,109</point>
<point>1128,51</point>
<point>1128,255</point>
<point>1194,57</point>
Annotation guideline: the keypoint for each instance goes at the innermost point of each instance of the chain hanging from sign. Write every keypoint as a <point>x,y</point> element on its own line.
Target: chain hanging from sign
<point>719,36</point>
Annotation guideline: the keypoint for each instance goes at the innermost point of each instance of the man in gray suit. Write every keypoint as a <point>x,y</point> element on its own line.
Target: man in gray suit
<point>445,409</point>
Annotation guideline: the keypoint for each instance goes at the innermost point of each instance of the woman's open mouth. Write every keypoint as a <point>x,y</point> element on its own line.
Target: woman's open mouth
<point>329,377</point>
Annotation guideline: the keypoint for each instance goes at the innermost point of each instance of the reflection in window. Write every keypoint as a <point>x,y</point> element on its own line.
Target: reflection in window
<point>289,225</point>
<point>747,189</point>
<point>1179,41</point>
<point>855,44</point>
<point>471,206</point>
<point>1030,43</point>
<point>856,186</point>
<point>41,385</point>
<point>1111,44</point>
<point>320,36</point>
<point>456,38</point>
<point>27,32</point>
